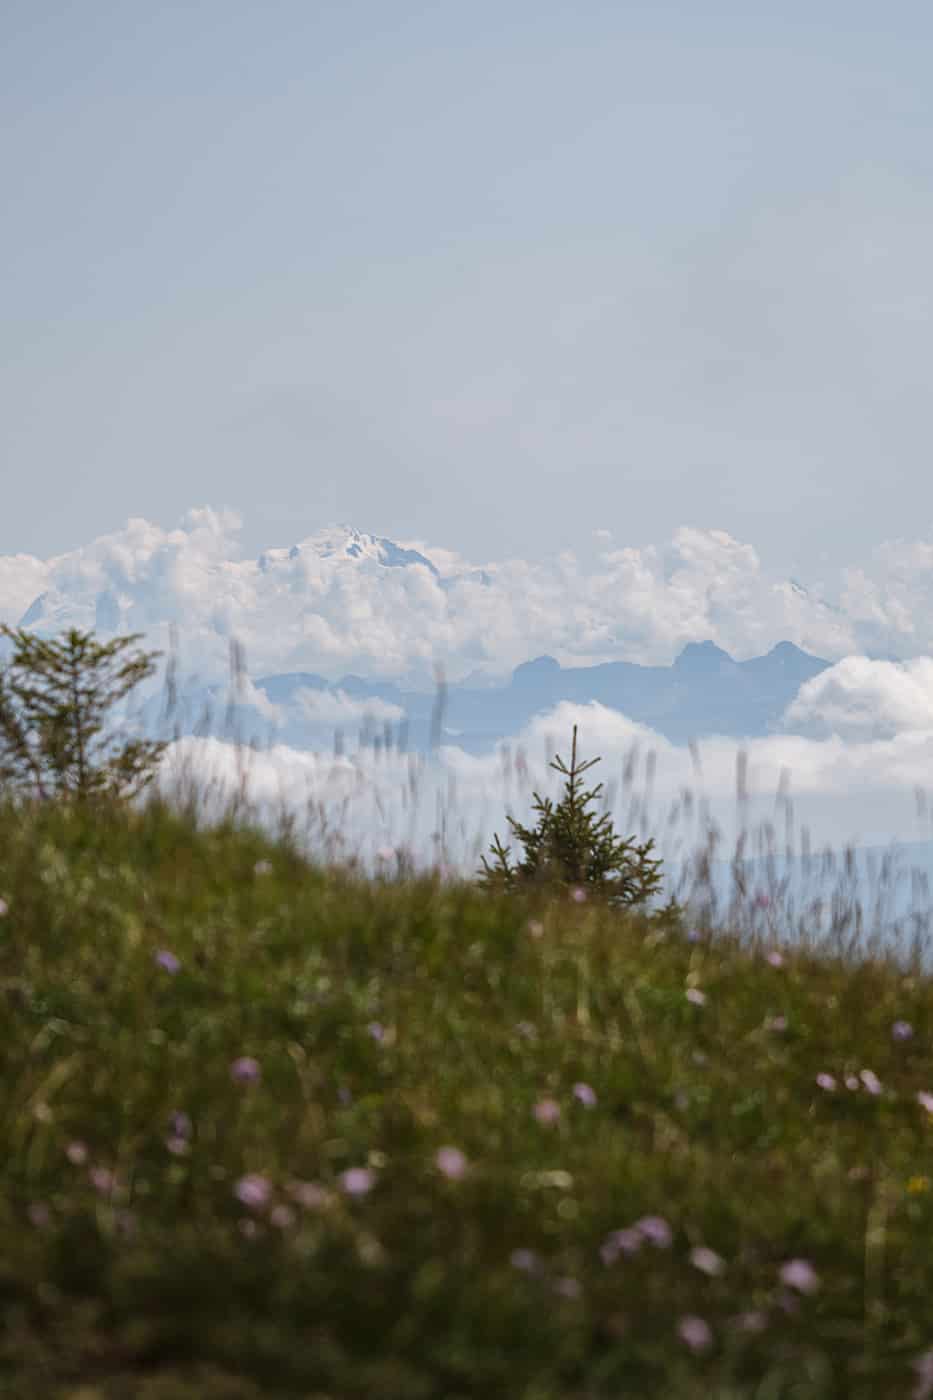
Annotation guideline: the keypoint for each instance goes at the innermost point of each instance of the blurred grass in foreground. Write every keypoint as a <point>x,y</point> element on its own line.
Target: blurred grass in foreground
<point>279,1130</point>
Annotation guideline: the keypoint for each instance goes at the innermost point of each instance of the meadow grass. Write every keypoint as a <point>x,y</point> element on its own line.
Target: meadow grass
<point>278,1128</point>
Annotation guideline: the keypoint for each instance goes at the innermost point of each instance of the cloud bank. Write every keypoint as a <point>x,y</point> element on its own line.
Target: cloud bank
<point>344,602</point>
<point>446,807</point>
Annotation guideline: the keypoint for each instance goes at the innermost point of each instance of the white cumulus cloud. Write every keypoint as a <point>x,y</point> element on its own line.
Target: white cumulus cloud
<point>863,699</point>
<point>341,602</point>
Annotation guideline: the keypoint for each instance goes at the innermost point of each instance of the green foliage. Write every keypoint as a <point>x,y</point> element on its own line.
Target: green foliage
<point>55,696</point>
<point>572,847</point>
<point>389,1019</point>
<point>513,1090</point>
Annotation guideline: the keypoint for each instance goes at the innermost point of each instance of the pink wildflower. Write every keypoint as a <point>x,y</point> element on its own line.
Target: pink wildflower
<point>102,1179</point>
<point>925,1100</point>
<point>585,1094</point>
<point>694,1333</point>
<point>253,1191</point>
<point>451,1163</point>
<point>547,1111</point>
<point>357,1181</point>
<point>826,1082</point>
<point>695,996</point>
<point>245,1070</point>
<point>924,1369</point>
<point>801,1275</point>
<point>707,1261</point>
<point>655,1229</point>
<point>871,1081</point>
<point>620,1242</point>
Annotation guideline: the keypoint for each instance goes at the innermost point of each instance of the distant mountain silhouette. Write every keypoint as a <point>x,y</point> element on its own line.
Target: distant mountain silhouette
<point>704,692</point>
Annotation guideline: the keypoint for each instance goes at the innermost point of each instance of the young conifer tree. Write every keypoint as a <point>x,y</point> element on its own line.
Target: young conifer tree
<point>55,696</point>
<point>572,847</point>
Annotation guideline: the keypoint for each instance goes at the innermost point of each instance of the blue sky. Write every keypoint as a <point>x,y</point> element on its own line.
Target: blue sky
<point>489,274</point>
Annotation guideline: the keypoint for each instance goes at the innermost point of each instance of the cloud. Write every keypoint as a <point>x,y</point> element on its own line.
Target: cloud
<point>863,699</point>
<point>341,602</point>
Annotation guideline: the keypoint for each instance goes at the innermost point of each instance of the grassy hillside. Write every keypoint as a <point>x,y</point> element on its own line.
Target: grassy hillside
<point>278,1131</point>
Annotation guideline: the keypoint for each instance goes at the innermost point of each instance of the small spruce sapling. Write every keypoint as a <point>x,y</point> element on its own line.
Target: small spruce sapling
<point>572,847</point>
<point>54,697</point>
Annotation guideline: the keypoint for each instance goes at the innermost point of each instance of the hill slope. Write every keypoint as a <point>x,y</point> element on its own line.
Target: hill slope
<point>274,1131</point>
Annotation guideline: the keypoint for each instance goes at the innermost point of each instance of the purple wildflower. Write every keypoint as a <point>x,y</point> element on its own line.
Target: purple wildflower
<point>801,1275</point>
<point>524,1259</point>
<point>923,1366</point>
<point>253,1191</point>
<point>451,1163</point>
<point>585,1094</point>
<point>695,996</point>
<point>282,1217</point>
<point>851,1082</point>
<point>547,1111</point>
<point>925,1100</point>
<point>694,1333</point>
<point>620,1242</point>
<point>655,1229</point>
<point>102,1179</point>
<point>826,1082</point>
<point>357,1181</point>
<point>76,1152</point>
<point>694,936</point>
<point>167,961</point>
<point>376,1030</point>
<point>775,958</point>
<point>578,895</point>
<point>245,1070</point>
<point>707,1261</point>
<point>181,1125</point>
<point>902,1030</point>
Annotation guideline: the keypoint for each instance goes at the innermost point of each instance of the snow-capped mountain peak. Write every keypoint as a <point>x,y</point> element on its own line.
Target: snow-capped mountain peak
<point>339,542</point>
